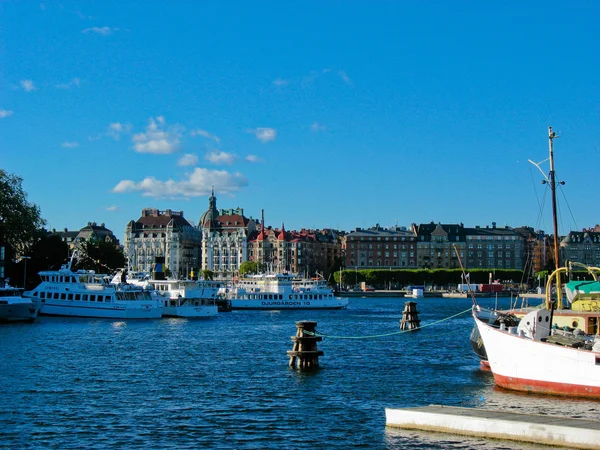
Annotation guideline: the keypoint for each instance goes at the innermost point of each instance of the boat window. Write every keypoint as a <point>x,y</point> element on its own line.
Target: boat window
<point>85,297</point>
<point>63,296</point>
<point>56,296</point>
<point>42,294</point>
<point>69,296</point>
<point>280,297</point>
<point>320,297</point>
<point>77,296</point>
<point>92,298</point>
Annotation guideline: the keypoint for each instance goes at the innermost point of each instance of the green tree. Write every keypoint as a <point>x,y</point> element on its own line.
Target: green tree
<point>208,274</point>
<point>19,219</point>
<point>100,256</point>
<point>250,268</point>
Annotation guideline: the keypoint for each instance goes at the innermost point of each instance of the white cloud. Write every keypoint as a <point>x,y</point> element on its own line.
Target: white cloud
<point>219,157</point>
<point>264,134</point>
<point>280,82</point>
<point>187,160</point>
<point>345,78</point>
<point>253,159</point>
<point>316,127</point>
<point>198,184</point>
<point>206,134</point>
<point>72,144</point>
<point>111,208</point>
<point>117,129</point>
<point>156,139</point>
<point>104,31</point>
<point>75,82</point>
<point>28,85</point>
<point>5,113</point>
<point>306,81</point>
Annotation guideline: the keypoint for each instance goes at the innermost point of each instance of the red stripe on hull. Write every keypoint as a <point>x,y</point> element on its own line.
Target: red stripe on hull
<point>546,387</point>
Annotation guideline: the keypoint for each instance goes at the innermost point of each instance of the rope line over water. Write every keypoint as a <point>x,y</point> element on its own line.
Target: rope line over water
<point>374,336</point>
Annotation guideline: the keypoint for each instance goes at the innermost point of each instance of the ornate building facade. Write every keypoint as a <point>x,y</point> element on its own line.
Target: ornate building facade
<point>224,239</point>
<point>303,252</point>
<point>162,233</point>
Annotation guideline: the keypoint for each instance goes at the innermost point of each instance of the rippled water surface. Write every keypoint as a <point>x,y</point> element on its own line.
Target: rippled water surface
<point>225,382</point>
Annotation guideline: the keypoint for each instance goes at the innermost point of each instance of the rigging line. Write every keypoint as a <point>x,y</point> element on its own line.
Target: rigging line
<point>373,336</point>
<point>568,207</point>
<point>537,197</point>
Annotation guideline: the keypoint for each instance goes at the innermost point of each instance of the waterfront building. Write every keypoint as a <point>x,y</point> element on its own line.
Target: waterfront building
<point>435,245</point>
<point>379,247</point>
<point>494,248</point>
<point>305,252</point>
<point>90,232</point>
<point>166,234</point>
<point>582,246</point>
<point>224,238</point>
<point>537,249</point>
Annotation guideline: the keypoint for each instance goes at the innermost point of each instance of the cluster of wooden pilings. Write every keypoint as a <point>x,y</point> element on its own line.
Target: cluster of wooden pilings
<point>410,317</point>
<point>305,355</point>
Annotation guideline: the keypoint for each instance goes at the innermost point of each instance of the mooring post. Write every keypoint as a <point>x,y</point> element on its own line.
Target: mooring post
<point>410,317</point>
<point>304,354</point>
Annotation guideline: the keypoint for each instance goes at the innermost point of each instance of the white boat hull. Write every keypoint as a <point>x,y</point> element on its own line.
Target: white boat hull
<point>21,311</point>
<point>109,310</point>
<point>191,312</point>
<point>329,303</point>
<point>523,364</point>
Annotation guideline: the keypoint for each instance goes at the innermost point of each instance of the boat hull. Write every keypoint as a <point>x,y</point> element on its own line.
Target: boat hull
<point>25,311</point>
<point>110,310</point>
<point>191,312</point>
<point>523,364</point>
<point>334,303</point>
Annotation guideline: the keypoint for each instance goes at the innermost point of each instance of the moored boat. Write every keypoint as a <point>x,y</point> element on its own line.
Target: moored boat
<point>537,355</point>
<point>183,298</point>
<point>83,293</point>
<point>16,308</point>
<point>283,291</point>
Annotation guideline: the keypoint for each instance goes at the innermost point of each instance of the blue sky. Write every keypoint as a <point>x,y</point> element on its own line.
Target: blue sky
<point>322,113</point>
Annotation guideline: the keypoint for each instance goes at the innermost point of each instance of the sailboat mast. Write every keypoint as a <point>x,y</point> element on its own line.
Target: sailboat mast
<point>552,177</point>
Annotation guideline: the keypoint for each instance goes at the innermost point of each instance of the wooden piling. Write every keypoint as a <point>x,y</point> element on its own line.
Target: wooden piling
<point>305,355</point>
<point>410,317</point>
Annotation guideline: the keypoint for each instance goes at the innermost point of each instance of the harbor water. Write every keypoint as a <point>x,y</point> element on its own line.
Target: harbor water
<point>225,382</point>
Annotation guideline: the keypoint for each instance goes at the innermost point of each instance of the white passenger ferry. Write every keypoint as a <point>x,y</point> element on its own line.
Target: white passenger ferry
<point>181,298</point>
<point>283,291</point>
<point>86,294</point>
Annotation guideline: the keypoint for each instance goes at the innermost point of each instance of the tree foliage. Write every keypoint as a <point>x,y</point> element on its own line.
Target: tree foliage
<point>250,268</point>
<point>19,219</point>
<point>48,252</point>
<point>100,256</point>
<point>208,274</point>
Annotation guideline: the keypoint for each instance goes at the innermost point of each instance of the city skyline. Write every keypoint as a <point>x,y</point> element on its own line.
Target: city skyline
<point>328,116</point>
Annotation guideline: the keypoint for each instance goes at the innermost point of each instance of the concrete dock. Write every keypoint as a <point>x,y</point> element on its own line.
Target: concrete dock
<point>538,429</point>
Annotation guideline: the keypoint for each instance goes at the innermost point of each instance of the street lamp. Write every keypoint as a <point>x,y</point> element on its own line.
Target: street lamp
<point>25,270</point>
